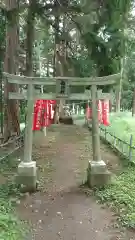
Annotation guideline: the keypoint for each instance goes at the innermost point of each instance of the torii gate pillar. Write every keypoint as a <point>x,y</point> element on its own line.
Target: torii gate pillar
<point>27,170</point>
<point>98,175</point>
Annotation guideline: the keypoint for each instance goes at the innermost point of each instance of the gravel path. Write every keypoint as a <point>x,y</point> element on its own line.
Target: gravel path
<point>61,210</point>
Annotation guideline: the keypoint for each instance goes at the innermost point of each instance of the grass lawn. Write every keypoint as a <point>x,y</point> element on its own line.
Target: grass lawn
<point>120,195</point>
<point>122,125</point>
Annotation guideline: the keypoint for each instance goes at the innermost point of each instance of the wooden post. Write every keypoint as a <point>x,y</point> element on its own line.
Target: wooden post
<point>119,87</point>
<point>95,127</point>
<point>73,108</point>
<point>111,100</point>
<point>77,109</point>
<point>118,98</point>
<point>105,133</point>
<point>28,128</point>
<point>130,147</point>
<point>45,131</point>
<point>82,111</point>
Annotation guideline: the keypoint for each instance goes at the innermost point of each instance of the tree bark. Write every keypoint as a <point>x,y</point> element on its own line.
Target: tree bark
<point>61,65</point>
<point>30,38</point>
<point>111,101</point>
<point>11,109</point>
<point>119,88</point>
<point>133,106</point>
<point>55,60</point>
<point>29,72</point>
<point>1,99</point>
<point>118,99</point>
<point>29,42</point>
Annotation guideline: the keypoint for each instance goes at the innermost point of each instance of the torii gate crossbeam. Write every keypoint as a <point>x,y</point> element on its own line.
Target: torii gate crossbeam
<point>27,170</point>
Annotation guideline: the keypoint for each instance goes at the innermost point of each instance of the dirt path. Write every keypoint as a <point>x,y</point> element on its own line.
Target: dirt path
<point>60,210</point>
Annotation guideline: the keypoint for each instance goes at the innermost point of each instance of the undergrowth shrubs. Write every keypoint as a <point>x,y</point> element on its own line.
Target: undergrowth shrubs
<point>120,196</point>
<point>10,226</point>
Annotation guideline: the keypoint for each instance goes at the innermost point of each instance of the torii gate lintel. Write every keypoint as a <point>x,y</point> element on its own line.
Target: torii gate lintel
<point>27,170</point>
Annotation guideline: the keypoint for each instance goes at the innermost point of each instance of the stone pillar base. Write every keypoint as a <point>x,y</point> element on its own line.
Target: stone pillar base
<point>98,175</point>
<point>27,176</point>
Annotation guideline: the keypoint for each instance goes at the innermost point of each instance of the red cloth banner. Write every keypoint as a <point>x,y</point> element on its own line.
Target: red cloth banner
<point>99,111</point>
<point>45,119</point>
<point>88,113</point>
<point>52,103</point>
<point>105,112</point>
<point>37,115</point>
<point>43,113</point>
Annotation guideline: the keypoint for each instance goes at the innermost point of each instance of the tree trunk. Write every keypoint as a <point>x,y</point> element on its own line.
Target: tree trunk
<point>119,88</point>
<point>29,42</point>
<point>111,101</point>
<point>133,106</point>
<point>30,38</point>
<point>1,99</point>
<point>11,109</point>
<point>61,63</point>
<point>118,98</point>
<point>47,66</point>
<point>55,62</point>
<point>61,67</point>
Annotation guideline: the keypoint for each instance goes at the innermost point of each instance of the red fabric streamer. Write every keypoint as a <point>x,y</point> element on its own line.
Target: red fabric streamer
<point>105,112</point>
<point>43,113</point>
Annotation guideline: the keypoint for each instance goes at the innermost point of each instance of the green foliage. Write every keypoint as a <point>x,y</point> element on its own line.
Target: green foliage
<point>122,125</point>
<point>120,196</point>
<point>10,226</point>
<point>2,32</point>
<point>2,38</point>
<point>104,38</point>
<point>22,111</point>
<point>101,26</point>
<point>83,65</point>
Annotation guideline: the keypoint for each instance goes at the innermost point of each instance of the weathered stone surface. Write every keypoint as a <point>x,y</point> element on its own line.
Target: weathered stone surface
<point>98,175</point>
<point>27,176</point>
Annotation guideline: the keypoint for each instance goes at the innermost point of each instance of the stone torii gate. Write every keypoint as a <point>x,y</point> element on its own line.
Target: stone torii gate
<point>61,86</point>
